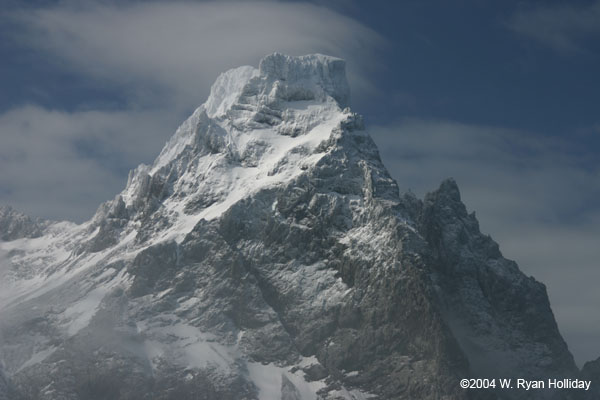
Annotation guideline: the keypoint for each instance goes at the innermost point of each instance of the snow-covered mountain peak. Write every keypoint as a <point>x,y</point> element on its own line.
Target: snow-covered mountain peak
<point>280,79</point>
<point>259,128</point>
<point>286,95</point>
<point>310,77</point>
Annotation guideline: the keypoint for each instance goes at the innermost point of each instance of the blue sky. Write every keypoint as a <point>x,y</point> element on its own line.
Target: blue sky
<point>503,96</point>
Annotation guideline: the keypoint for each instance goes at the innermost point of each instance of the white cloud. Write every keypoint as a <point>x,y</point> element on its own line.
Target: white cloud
<point>536,197</point>
<point>62,165</point>
<point>177,49</point>
<point>162,57</point>
<point>561,26</point>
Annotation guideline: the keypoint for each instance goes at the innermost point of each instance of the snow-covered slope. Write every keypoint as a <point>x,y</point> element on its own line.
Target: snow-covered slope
<point>267,254</point>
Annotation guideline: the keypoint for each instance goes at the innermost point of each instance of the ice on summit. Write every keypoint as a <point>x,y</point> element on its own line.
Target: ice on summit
<point>244,98</point>
<point>312,77</point>
<point>281,78</point>
<point>276,93</point>
<point>227,89</point>
<point>258,128</point>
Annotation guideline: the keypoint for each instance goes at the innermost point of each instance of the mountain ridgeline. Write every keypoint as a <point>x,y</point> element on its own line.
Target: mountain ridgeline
<point>267,254</point>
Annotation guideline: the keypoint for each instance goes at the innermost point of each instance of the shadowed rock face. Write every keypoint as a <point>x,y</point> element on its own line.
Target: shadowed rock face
<point>267,254</point>
<point>486,297</point>
<point>501,318</point>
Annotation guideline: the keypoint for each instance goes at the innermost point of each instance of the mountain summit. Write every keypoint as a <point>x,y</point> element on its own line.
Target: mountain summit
<point>267,254</point>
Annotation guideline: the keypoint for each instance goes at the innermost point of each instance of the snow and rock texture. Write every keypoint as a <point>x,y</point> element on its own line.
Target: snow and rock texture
<point>14,225</point>
<point>267,254</point>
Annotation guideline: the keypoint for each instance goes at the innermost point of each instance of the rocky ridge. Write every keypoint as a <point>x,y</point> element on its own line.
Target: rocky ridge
<point>15,225</point>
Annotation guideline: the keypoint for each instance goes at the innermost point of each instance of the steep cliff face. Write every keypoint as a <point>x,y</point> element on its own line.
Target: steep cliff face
<point>267,254</point>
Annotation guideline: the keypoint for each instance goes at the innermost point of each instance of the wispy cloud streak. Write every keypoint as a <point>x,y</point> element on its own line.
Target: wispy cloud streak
<point>562,27</point>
